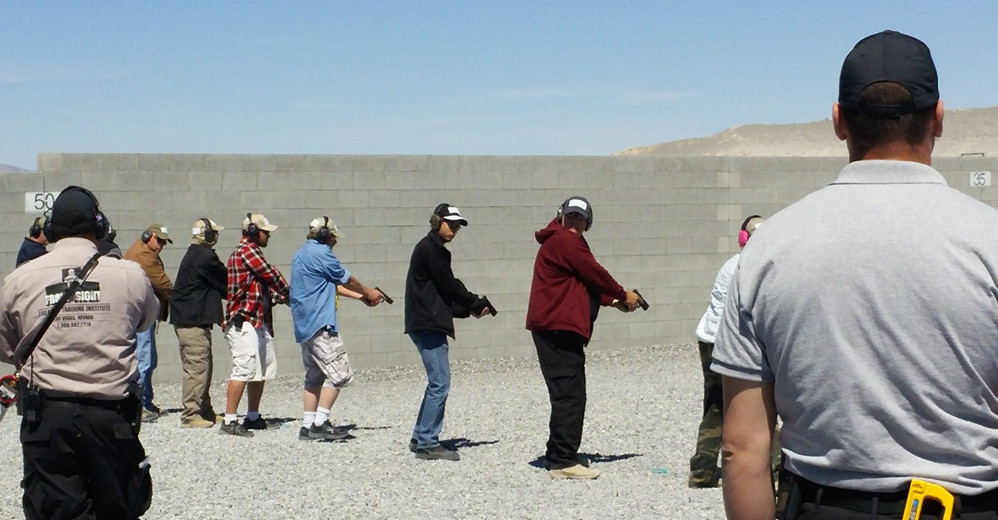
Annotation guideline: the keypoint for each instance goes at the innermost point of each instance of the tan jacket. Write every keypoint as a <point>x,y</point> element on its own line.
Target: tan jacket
<point>153,267</point>
<point>89,350</point>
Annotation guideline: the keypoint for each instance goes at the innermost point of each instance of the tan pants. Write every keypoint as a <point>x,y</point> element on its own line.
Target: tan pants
<point>195,354</point>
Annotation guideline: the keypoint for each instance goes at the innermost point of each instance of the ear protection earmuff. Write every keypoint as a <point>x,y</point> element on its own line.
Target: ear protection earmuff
<point>251,229</point>
<point>37,226</point>
<point>743,235</point>
<point>210,233</point>
<point>437,212</point>
<point>589,209</point>
<point>100,222</point>
<point>146,235</point>
<point>322,235</point>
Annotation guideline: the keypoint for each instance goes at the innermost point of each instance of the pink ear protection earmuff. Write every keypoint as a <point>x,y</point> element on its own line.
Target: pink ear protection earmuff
<point>742,238</point>
<point>743,235</point>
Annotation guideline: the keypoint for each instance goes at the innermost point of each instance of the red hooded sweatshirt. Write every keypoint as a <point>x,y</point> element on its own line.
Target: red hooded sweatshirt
<point>565,275</point>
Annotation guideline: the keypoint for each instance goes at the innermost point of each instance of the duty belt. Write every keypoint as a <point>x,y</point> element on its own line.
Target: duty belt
<point>889,504</point>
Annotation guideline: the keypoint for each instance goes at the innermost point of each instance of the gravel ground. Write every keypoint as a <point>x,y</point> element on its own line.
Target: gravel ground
<point>644,405</point>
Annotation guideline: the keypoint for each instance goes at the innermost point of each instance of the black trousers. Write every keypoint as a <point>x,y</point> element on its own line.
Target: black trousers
<point>563,363</point>
<point>81,461</point>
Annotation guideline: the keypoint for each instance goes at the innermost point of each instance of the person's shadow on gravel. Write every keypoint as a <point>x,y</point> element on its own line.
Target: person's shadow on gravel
<point>461,442</point>
<point>586,458</point>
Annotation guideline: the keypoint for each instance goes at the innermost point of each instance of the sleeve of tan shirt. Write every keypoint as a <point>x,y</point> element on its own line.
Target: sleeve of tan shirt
<point>152,265</point>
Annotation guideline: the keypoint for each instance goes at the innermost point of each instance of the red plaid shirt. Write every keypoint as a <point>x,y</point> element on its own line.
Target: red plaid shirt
<point>252,282</point>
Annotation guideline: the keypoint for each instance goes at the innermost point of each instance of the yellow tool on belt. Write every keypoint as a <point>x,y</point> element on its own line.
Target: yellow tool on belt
<point>919,492</point>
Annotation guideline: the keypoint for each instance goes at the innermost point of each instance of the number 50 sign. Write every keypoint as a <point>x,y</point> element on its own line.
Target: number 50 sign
<point>39,201</point>
<point>980,179</point>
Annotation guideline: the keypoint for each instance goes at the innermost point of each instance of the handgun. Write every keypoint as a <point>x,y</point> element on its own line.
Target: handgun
<point>492,308</point>
<point>387,298</point>
<point>641,301</point>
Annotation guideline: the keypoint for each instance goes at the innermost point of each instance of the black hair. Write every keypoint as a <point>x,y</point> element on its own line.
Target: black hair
<point>867,132</point>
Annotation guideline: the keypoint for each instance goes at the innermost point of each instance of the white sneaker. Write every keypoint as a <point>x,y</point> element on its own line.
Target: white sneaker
<point>577,471</point>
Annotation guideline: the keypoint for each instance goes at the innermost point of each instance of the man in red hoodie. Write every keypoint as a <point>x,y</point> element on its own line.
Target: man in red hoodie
<point>568,288</point>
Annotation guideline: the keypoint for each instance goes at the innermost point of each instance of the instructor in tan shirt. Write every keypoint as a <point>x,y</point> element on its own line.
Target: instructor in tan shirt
<point>81,454</point>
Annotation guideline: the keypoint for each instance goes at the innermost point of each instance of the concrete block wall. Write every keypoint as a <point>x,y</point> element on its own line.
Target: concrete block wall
<point>663,225</point>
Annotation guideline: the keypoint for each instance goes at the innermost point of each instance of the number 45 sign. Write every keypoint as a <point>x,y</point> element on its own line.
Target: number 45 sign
<point>980,179</point>
<point>39,201</point>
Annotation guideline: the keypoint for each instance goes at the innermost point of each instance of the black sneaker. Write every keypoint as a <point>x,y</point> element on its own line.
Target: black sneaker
<point>327,432</point>
<point>258,424</point>
<point>234,428</point>
<point>303,434</point>
<point>413,445</point>
<point>437,452</point>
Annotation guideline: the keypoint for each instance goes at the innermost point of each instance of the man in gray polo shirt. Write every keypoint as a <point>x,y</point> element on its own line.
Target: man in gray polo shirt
<point>866,317</point>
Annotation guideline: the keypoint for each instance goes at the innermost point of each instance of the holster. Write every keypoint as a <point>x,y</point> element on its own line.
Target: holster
<point>788,498</point>
<point>131,407</point>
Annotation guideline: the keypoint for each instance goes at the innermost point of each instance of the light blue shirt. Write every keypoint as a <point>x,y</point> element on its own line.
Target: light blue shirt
<point>315,273</point>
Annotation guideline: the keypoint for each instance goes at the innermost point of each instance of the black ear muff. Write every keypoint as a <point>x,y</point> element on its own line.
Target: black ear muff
<point>146,235</point>
<point>322,235</point>
<point>47,229</point>
<point>251,229</point>
<point>37,226</point>
<point>210,233</point>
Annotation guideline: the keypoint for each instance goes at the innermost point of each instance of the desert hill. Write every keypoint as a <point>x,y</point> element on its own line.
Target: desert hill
<point>6,168</point>
<point>965,131</point>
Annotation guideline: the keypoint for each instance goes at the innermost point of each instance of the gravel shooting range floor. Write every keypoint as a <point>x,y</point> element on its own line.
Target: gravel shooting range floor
<point>644,404</point>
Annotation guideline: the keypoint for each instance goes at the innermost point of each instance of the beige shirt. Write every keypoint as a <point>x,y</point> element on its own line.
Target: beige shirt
<point>89,350</point>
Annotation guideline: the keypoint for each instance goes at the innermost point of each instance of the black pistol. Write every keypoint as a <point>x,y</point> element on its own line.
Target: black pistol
<point>385,296</point>
<point>483,302</point>
<point>641,301</point>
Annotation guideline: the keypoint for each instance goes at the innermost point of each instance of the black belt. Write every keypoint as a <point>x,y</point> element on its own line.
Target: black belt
<point>329,330</point>
<point>238,321</point>
<point>113,405</point>
<point>892,503</point>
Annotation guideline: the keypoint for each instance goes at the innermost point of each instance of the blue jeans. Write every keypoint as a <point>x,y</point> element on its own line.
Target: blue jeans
<point>433,350</point>
<point>145,350</point>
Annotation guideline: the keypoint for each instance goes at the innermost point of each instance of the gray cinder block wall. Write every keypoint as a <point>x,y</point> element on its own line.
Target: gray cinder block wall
<point>662,224</point>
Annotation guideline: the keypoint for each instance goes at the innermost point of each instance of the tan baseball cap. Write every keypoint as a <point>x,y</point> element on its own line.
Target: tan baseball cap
<point>261,222</point>
<point>324,221</point>
<point>160,231</point>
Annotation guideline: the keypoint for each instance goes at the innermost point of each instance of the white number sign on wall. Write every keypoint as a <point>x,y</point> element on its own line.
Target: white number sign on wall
<point>980,179</point>
<point>39,201</point>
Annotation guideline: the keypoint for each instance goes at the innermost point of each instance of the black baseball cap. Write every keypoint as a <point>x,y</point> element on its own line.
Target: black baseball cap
<point>893,57</point>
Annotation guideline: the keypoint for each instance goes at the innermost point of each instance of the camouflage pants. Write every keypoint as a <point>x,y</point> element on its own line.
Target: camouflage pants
<point>703,465</point>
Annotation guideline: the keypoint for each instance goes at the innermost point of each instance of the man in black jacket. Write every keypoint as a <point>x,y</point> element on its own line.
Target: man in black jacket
<point>195,306</point>
<point>433,298</point>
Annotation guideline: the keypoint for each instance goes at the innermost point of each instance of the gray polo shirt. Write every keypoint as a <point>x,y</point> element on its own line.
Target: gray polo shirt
<point>872,304</point>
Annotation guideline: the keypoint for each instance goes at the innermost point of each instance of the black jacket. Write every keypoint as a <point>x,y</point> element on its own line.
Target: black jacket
<point>433,296</point>
<point>200,287</point>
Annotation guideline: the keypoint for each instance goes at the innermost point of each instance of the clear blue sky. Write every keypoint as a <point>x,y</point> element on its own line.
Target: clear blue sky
<point>444,77</point>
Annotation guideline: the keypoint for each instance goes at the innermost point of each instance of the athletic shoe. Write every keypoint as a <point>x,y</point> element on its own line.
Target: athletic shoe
<point>326,432</point>
<point>303,434</point>
<point>437,452</point>
<point>577,471</point>
<point>196,422</point>
<point>149,415</point>
<point>235,429</point>
<point>413,445</point>
<point>258,424</point>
